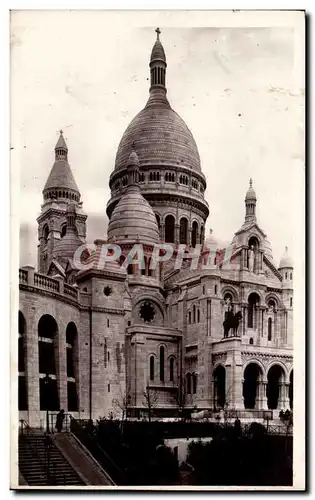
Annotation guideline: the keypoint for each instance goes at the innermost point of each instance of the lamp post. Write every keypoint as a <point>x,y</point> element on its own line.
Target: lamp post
<point>47,382</point>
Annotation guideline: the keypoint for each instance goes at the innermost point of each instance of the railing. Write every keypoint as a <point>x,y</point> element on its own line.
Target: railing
<point>34,446</point>
<point>45,282</point>
<point>28,277</point>
<point>52,418</point>
<point>23,275</point>
<point>69,290</point>
<point>261,414</point>
<point>83,433</point>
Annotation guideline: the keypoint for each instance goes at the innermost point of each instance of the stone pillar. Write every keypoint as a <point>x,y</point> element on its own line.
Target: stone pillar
<point>32,373</point>
<point>286,396</point>
<point>61,367</point>
<point>162,231</point>
<point>30,274</point>
<point>283,400</point>
<point>176,234</point>
<point>189,235</point>
<point>61,283</point>
<point>140,372</point>
<point>261,400</point>
<point>234,369</point>
<point>264,403</point>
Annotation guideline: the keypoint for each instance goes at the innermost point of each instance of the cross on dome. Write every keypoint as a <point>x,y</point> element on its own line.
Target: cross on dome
<point>158,31</point>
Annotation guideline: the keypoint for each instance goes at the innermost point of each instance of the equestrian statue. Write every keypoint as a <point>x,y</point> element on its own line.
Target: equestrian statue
<point>231,322</point>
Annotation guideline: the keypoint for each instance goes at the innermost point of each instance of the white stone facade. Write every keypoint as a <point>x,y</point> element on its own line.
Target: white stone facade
<point>110,338</point>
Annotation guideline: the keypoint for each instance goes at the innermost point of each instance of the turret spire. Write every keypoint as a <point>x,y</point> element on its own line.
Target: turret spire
<point>61,148</point>
<point>158,63</point>
<point>250,203</point>
<point>61,183</point>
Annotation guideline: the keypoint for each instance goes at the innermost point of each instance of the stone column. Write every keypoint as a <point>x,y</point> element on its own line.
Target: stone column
<point>234,368</point>
<point>286,396</point>
<point>162,231</point>
<point>61,367</point>
<point>32,371</point>
<point>281,397</point>
<point>264,402</point>
<point>176,235</point>
<point>189,235</point>
<point>261,395</point>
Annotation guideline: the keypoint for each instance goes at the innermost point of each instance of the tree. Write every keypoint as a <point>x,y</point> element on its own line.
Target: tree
<point>122,404</point>
<point>150,401</point>
<point>180,401</point>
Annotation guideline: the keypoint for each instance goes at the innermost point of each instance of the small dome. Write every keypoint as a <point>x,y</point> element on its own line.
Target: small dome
<point>250,195</point>
<point>286,260</point>
<point>133,219</point>
<point>66,247</point>
<point>158,52</point>
<point>211,240</point>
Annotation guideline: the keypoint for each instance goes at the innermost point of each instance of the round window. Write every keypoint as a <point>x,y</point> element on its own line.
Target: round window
<point>147,312</point>
<point>107,291</point>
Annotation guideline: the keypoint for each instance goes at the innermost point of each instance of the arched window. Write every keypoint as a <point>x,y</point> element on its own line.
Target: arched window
<point>269,328</point>
<point>189,317</point>
<point>162,358</point>
<point>290,276</point>
<point>172,364</point>
<point>198,315</point>
<point>183,230</point>
<point>169,229</point>
<point>188,383</point>
<point>202,231</point>
<point>144,268</point>
<point>251,341</point>
<point>215,289</point>
<point>151,367</point>
<point>291,302</point>
<point>286,275</point>
<point>45,233</point>
<point>47,338</point>
<point>158,220</point>
<point>194,234</point>
<point>72,360</point>
<point>253,302</point>
<point>194,314</point>
<point>63,230</point>
<point>194,383</point>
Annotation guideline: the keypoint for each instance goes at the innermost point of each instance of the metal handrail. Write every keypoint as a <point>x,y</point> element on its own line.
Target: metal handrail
<point>25,430</point>
<point>98,452</point>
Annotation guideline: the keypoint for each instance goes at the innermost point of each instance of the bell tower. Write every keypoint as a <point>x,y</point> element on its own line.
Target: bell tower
<point>60,190</point>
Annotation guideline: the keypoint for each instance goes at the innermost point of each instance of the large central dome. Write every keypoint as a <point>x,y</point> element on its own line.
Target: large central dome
<point>160,136</point>
<point>170,176</point>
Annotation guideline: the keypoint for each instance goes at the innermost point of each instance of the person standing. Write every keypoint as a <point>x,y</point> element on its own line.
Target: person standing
<point>59,420</point>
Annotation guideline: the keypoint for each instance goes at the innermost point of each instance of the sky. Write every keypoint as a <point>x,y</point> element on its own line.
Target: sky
<point>239,86</point>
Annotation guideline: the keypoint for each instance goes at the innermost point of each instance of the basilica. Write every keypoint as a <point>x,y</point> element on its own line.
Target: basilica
<point>95,339</point>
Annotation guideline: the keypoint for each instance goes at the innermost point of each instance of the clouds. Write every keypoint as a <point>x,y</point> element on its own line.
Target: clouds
<point>236,88</point>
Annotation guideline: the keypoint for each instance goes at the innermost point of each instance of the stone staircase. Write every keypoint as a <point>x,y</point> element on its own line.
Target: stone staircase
<point>42,464</point>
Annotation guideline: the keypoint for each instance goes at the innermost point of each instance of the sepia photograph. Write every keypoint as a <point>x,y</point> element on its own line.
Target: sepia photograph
<point>158,210</point>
